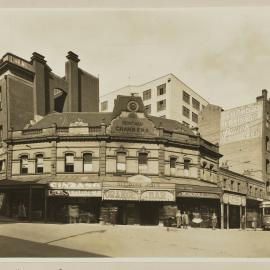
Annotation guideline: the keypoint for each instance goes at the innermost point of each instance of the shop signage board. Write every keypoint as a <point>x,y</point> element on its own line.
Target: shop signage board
<point>121,194</point>
<point>74,185</point>
<point>130,184</point>
<point>75,193</point>
<point>139,195</point>
<point>198,195</point>
<point>234,199</point>
<point>73,189</point>
<point>158,195</point>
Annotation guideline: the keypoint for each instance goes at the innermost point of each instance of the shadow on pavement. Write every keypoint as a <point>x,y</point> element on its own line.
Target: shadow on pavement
<point>75,235</point>
<point>15,247</point>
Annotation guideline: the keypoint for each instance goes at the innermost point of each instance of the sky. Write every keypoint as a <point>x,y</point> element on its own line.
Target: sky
<point>222,53</point>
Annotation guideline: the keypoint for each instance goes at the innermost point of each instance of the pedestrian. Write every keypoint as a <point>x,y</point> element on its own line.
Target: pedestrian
<point>185,220</point>
<point>21,211</point>
<point>254,223</point>
<point>243,222</point>
<point>214,221</point>
<point>178,219</point>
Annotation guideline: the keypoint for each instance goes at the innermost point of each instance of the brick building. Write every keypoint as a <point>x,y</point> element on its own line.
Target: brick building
<point>125,162</point>
<point>29,90</point>
<point>243,136</point>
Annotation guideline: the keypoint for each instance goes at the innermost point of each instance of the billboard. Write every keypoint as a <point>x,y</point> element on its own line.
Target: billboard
<point>241,123</point>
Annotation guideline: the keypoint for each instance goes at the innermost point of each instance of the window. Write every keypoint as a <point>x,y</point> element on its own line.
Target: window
<point>266,165</point>
<point>161,89</point>
<point>173,162</point>
<point>2,165</point>
<point>148,109</point>
<point>161,105</point>
<point>24,164</point>
<point>104,106</point>
<point>121,162</point>
<point>224,183</point>
<point>185,123</point>
<point>87,162</point>
<point>203,107</point>
<point>238,187</point>
<point>147,94</point>
<point>186,167</point>
<point>250,190</point>
<point>195,104</point>
<point>186,97</point>
<point>232,185</point>
<point>211,167</point>
<point>267,147</point>
<point>69,163</point>
<point>195,117</point>
<point>143,157</point>
<point>185,111</point>
<point>1,102</point>
<point>39,163</point>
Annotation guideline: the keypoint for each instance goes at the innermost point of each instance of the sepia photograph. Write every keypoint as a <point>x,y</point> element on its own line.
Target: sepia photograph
<point>134,131</point>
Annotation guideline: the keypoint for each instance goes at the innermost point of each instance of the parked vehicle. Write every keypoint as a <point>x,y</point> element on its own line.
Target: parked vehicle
<point>265,206</point>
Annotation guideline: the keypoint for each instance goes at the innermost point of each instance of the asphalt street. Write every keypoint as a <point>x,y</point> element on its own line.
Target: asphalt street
<point>94,240</point>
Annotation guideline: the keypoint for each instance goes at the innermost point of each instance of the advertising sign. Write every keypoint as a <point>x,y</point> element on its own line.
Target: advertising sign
<point>241,123</point>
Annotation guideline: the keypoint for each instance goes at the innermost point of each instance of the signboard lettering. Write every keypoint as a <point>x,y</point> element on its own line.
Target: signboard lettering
<point>75,193</point>
<point>121,194</point>
<point>74,185</point>
<point>198,195</point>
<point>158,195</point>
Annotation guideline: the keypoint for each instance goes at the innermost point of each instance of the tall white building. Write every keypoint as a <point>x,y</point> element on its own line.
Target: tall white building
<point>166,97</point>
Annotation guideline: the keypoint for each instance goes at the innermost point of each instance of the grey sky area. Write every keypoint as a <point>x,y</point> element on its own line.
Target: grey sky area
<point>223,53</point>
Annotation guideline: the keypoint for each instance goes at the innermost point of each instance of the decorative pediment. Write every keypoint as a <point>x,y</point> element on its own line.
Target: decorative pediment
<point>139,179</point>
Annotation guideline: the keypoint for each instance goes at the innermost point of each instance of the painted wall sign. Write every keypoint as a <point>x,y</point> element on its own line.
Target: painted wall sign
<point>74,185</point>
<point>158,195</point>
<point>137,185</point>
<point>132,126</point>
<point>197,195</point>
<point>241,123</point>
<point>234,199</point>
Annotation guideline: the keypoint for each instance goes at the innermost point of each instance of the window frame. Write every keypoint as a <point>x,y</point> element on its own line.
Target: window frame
<point>87,162</point>
<point>161,107</point>
<point>69,165</point>
<point>36,164</point>
<point>186,97</point>
<point>21,164</point>
<point>146,95</point>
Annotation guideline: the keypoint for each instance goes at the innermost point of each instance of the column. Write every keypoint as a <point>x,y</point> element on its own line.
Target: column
<point>245,213</point>
<point>222,215</point>
<point>45,205</point>
<point>30,204</point>
<point>240,216</point>
<point>228,216</point>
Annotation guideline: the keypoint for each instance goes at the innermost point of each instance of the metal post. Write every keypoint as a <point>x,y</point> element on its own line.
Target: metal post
<point>30,204</point>
<point>240,216</point>
<point>228,216</point>
<point>222,215</point>
<point>45,205</point>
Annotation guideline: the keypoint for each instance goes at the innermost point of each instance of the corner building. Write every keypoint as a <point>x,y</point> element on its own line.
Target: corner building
<point>125,162</point>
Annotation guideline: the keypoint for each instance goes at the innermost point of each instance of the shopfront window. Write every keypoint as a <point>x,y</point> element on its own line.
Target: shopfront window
<point>2,165</point>
<point>121,162</point>
<point>87,163</point>
<point>69,163</point>
<point>186,167</point>
<point>24,164</point>
<point>39,163</point>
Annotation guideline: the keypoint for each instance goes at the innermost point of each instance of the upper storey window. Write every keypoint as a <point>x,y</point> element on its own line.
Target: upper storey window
<point>39,163</point>
<point>104,106</point>
<point>87,163</point>
<point>69,163</point>
<point>161,89</point>
<point>24,164</point>
<point>147,94</point>
<point>186,97</point>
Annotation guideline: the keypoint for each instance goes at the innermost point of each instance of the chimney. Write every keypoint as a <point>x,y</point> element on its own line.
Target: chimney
<point>39,64</point>
<point>72,77</point>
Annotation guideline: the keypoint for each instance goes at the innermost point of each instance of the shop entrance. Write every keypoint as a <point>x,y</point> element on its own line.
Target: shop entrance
<point>234,220</point>
<point>149,214</point>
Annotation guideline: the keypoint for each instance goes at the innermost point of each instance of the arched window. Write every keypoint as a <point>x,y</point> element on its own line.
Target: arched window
<point>24,164</point>
<point>121,161</point>
<point>69,162</point>
<point>39,163</point>
<point>87,162</point>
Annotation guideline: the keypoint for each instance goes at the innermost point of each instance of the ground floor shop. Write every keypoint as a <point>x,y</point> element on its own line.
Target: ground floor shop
<point>253,212</point>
